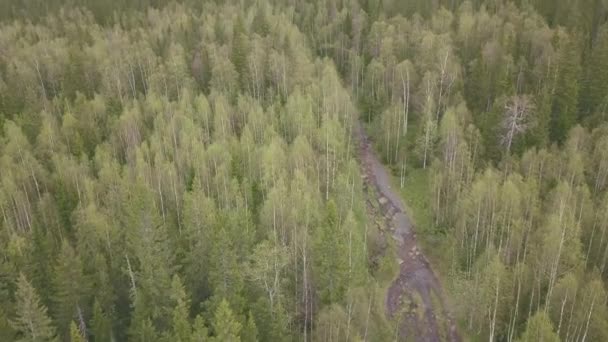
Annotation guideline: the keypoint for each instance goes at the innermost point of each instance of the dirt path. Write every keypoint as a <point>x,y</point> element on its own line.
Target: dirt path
<point>415,298</point>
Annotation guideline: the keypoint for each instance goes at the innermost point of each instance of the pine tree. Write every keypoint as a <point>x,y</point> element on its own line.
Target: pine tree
<point>32,322</point>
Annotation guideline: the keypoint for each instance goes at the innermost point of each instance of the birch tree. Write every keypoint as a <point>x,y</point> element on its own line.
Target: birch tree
<point>515,120</point>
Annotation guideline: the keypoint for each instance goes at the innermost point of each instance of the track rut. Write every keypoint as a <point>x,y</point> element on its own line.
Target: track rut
<point>415,298</point>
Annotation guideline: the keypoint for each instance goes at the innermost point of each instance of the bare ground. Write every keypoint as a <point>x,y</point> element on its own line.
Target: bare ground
<point>415,298</point>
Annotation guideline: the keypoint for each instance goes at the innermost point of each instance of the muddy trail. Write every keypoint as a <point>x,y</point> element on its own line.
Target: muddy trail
<point>415,298</point>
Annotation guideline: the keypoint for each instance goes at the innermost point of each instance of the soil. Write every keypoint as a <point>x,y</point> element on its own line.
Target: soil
<point>415,298</point>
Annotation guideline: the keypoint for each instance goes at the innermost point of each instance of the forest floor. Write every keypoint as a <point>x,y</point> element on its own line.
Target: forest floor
<point>415,298</point>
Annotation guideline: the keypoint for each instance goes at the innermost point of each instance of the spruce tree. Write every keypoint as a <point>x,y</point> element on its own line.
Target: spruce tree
<point>200,332</point>
<point>151,268</point>
<point>142,330</point>
<point>594,97</point>
<point>239,51</point>
<point>260,23</point>
<point>250,331</point>
<point>226,327</point>
<point>7,332</point>
<point>182,330</point>
<point>32,322</point>
<point>331,257</point>
<point>75,334</point>
<point>565,101</point>
<point>539,329</point>
<point>69,285</point>
<point>101,325</point>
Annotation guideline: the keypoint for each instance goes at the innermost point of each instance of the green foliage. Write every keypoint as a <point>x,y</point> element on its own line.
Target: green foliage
<point>31,322</point>
<point>565,104</point>
<point>225,325</point>
<point>146,173</point>
<point>70,288</point>
<point>594,87</point>
<point>331,261</point>
<point>250,331</point>
<point>142,330</point>
<point>199,330</point>
<point>182,331</point>
<point>539,328</point>
<point>75,334</point>
<point>101,325</point>
<point>6,330</point>
<point>239,51</point>
<point>185,171</point>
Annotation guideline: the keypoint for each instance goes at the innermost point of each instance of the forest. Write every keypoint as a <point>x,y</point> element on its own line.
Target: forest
<point>190,170</point>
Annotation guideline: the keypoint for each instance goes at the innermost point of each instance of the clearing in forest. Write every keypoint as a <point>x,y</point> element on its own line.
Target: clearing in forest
<point>415,298</point>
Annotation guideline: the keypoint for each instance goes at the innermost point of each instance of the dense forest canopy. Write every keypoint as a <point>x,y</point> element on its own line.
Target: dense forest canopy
<point>187,171</point>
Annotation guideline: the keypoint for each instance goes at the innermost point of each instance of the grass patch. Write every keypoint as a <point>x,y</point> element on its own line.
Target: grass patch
<point>419,305</point>
<point>381,246</point>
<point>416,195</point>
<point>443,325</point>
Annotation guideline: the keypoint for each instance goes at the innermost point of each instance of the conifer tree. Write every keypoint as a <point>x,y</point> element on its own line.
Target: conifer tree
<point>331,257</point>
<point>260,23</point>
<point>182,330</point>
<point>101,325</point>
<point>6,331</point>
<point>540,329</point>
<point>226,327</point>
<point>75,334</point>
<point>70,288</point>
<point>151,270</point>
<point>142,330</point>
<point>239,51</point>
<point>31,322</point>
<point>594,94</point>
<point>250,331</point>
<point>199,330</point>
<point>565,103</point>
